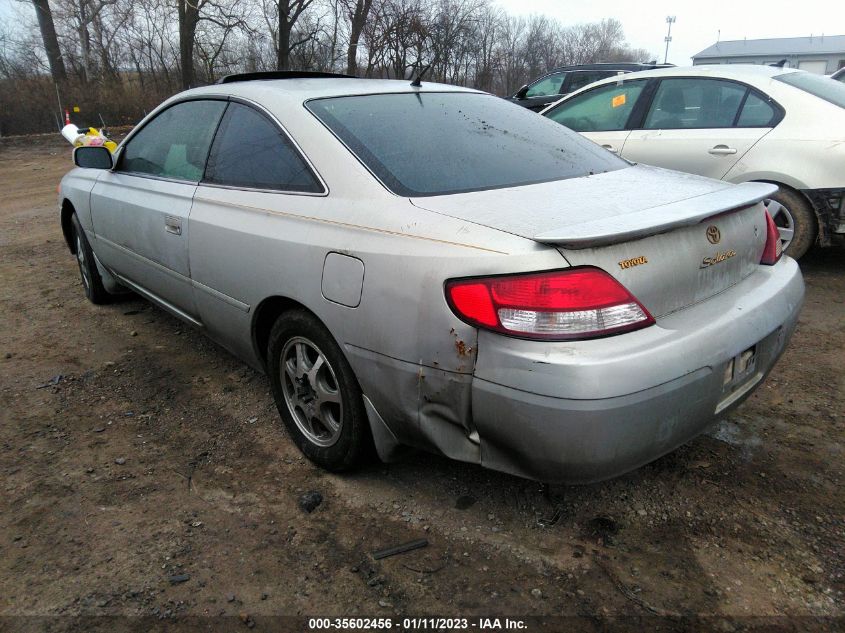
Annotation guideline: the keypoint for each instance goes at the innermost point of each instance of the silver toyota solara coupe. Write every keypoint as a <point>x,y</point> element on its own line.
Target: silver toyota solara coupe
<point>434,267</point>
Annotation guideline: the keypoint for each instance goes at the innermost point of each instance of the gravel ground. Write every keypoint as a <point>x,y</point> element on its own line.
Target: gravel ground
<point>146,476</point>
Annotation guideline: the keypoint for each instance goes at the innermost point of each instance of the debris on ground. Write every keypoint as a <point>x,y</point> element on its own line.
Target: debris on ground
<point>400,549</point>
<point>310,500</point>
<point>55,380</point>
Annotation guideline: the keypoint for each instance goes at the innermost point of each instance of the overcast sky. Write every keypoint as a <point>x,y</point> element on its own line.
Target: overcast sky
<point>697,26</point>
<point>698,21</point>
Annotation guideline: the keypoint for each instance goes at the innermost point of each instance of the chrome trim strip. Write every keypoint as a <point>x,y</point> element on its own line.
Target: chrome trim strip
<point>160,267</point>
<point>240,305</point>
<point>165,305</point>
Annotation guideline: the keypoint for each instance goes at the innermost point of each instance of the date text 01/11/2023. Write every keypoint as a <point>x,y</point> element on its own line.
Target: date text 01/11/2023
<point>416,624</point>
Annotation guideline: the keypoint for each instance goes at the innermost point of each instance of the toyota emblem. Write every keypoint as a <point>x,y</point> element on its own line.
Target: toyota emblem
<point>713,234</point>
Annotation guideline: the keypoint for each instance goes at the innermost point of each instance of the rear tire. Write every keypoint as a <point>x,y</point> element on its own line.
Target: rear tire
<point>795,220</point>
<point>316,393</point>
<point>92,283</point>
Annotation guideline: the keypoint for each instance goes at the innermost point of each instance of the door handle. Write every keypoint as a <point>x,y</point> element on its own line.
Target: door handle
<point>610,148</point>
<point>722,150</point>
<point>173,225</point>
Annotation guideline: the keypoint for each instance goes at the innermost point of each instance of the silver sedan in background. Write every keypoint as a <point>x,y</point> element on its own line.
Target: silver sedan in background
<point>434,267</point>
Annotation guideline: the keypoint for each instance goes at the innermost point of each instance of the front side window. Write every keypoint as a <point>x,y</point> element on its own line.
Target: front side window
<point>175,143</point>
<point>550,85</point>
<point>601,109</point>
<point>251,151</point>
<point>432,143</point>
<point>694,103</point>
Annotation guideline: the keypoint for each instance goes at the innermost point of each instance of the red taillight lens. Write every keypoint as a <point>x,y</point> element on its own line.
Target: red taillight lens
<point>578,303</point>
<point>774,248</point>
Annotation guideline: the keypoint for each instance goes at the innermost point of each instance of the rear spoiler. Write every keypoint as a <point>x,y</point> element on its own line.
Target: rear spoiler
<point>660,219</point>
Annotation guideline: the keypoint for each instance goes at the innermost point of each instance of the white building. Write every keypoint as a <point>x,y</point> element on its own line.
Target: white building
<point>822,54</point>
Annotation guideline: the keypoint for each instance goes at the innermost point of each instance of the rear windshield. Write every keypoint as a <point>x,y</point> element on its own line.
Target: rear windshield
<point>822,87</point>
<point>426,144</point>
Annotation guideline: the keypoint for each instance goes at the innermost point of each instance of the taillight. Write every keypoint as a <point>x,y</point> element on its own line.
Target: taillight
<point>577,303</point>
<point>774,248</point>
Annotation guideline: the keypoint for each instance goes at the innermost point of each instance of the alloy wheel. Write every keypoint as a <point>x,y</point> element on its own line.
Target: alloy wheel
<point>783,220</point>
<point>311,391</point>
<point>83,263</point>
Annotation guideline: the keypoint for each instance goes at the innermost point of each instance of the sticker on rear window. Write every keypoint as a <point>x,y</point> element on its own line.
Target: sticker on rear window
<point>618,100</point>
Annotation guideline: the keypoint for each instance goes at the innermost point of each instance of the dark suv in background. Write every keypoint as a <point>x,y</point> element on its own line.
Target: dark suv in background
<point>561,81</point>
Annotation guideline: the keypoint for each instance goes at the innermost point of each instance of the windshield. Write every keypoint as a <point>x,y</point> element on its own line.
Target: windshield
<point>425,144</point>
<point>822,87</point>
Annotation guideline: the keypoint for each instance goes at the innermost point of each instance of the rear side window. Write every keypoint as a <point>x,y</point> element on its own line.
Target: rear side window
<point>822,87</point>
<point>694,103</point>
<point>432,143</point>
<point>175,143</point>
<point>578,80</point>
<point>756,112</point>
<point>550,85</point>
<point>251,151</point>
<point>602,109</point>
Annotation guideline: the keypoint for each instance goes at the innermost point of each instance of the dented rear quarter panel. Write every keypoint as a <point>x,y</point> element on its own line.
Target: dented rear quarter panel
<point>412,356</point>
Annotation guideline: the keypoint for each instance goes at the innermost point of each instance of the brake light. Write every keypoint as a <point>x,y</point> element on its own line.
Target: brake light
<point>774,249</point>
<point>577,303</point>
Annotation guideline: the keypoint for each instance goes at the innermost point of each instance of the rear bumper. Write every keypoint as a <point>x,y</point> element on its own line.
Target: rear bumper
<point>592,410</point>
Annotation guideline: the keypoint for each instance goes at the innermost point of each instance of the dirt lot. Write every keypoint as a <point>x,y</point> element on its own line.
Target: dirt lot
<point>157,455</point>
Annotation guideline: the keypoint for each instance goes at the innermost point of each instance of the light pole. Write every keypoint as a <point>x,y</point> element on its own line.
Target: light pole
<point>670,20</point>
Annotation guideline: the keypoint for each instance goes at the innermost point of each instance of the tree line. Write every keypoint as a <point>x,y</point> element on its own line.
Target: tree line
<point>116,59</point>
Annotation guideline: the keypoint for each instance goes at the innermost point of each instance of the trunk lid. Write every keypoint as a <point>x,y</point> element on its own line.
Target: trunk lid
<point>672,239</point>
<point>678,268</point>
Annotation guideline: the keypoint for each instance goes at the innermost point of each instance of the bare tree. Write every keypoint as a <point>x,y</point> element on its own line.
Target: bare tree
<point>486,32</point>
<point>358,13</point>
<point>144,50</point>
<point>282,26</point>
<point>225,14</point>
<point>51,41</point>
<point>189,16</point>
<point>83,14</point>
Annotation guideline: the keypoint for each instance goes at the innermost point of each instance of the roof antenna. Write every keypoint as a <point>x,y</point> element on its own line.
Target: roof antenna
<point>417,83</point>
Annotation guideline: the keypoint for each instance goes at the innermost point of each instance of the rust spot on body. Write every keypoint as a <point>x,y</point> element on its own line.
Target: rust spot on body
<point>463,348</point>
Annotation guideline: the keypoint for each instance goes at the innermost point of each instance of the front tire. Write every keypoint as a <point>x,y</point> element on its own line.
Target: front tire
<point>92,283</point>
<point>316,393</point>
<point>795,220</point>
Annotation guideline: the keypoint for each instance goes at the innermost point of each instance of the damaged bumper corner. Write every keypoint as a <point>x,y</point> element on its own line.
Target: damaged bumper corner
<point>554,415</point>
<point>829,205</point>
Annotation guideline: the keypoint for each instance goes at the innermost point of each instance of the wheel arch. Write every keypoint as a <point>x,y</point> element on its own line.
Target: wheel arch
<point>265,315</point>
<point>822,232</point>
<point>67,228</point>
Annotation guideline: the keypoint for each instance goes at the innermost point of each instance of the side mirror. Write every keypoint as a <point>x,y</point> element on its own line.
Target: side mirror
<point>520,94</point>
<point>92,157</point>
